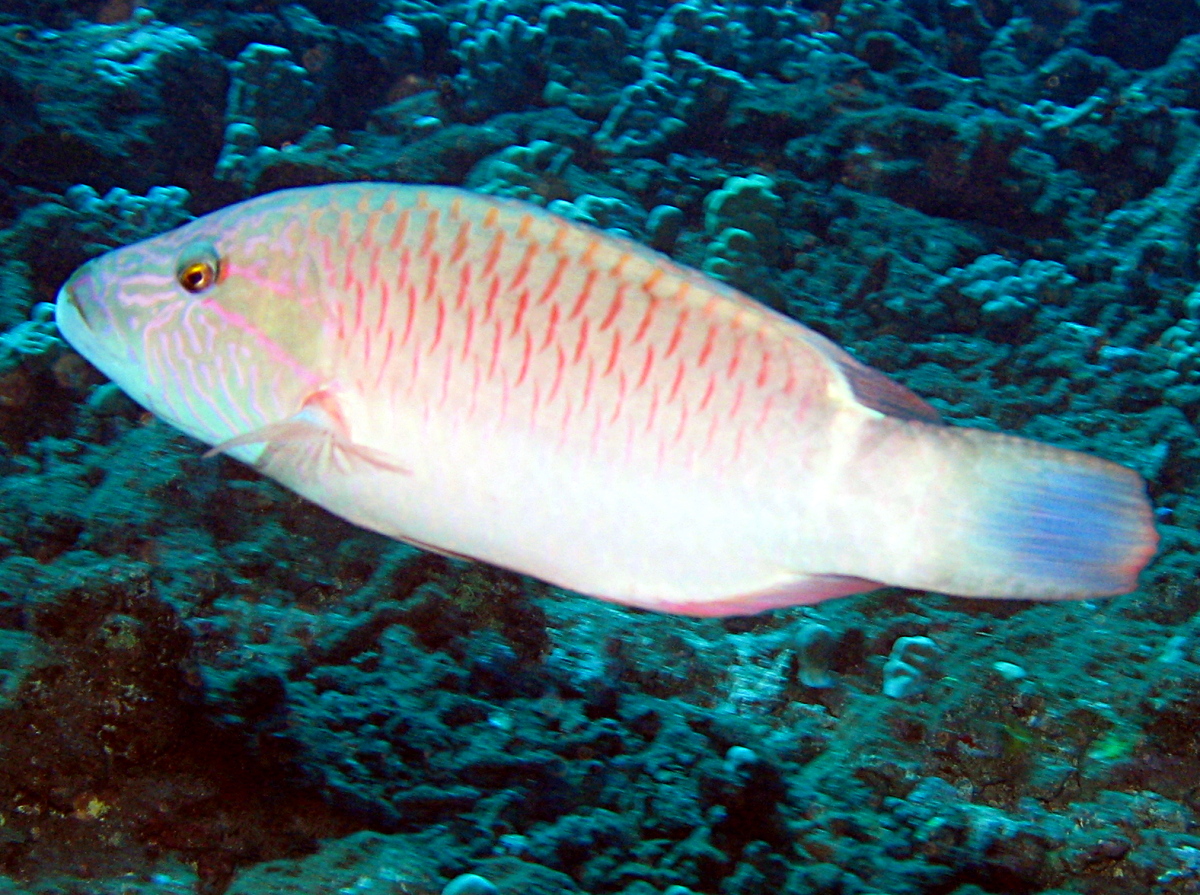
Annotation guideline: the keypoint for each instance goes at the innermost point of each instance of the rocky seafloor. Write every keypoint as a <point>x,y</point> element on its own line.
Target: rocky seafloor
<point>209,685</point>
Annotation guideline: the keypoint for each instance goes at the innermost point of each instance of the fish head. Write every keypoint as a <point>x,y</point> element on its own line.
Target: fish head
<point>214,327</point>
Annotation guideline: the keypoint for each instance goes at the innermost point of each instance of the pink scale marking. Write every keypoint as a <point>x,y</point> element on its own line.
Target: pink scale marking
<point>431,229</point>
<point>677,335</point>
<point>554,281</point>
<point>551,329</point>
<point>646,366</point>
<point>613,309</point>
<point>678,381</point>
<point>589,282</point>
<point>526,354</point>
<point>613,353</point>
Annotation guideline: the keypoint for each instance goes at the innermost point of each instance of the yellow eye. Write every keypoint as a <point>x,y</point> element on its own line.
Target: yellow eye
<point>199,267</point>
<point>197,276</point>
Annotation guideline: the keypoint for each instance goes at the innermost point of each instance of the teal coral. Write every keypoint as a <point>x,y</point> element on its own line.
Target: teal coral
<point>1001,293</point>
<point>271,92</point>
<point>911,667</point>
<point>35,342</point>
<point>534,172</point>
<point>120,217</point>
<point>500,53</point>
<point>587,57</point>
<point>744,240</point>
<point>606,212</point>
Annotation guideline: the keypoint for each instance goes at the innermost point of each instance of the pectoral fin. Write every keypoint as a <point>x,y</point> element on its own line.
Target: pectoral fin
<point>312,442</point>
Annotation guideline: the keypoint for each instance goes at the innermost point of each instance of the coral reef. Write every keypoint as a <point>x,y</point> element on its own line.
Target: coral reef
<point>744,240</point>
<point>207,684</point>
<point>501,59</point>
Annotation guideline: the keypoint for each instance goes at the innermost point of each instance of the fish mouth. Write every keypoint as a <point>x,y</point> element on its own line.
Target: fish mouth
<point>76,299</point>
<point>69,296</point>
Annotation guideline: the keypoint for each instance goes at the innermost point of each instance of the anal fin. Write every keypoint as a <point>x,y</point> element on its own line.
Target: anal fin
<point>803,591</point>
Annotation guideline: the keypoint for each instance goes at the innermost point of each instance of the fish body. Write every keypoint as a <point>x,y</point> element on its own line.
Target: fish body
<point>489,380</point>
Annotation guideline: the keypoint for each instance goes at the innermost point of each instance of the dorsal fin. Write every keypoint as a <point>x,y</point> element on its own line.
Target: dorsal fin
<point>872,388</point>
<point>879,392</point>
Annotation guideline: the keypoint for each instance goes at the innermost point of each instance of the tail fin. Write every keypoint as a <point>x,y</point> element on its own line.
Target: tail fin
<point>1008,517</point>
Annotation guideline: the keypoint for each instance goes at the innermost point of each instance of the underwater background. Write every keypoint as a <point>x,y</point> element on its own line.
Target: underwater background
<point>209,685</point>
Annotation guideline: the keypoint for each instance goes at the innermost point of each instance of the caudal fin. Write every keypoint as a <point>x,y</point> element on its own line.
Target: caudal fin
<point>1009,517</point>
<point>1074,526</point>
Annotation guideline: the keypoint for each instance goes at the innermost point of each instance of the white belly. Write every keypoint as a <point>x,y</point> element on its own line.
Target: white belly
<point>632,531</point>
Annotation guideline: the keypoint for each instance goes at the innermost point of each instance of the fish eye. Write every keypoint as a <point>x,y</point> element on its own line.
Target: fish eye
<point>198,269</point>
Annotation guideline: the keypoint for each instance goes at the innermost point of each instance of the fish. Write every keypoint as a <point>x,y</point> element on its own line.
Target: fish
<point>485,379</point>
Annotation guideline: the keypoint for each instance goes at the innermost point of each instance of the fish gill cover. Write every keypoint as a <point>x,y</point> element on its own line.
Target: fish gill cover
<point>210,685</point>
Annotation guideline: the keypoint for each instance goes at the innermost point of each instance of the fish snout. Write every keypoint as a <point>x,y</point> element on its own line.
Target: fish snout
<point>85,319</point>
<point>77,298</point>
